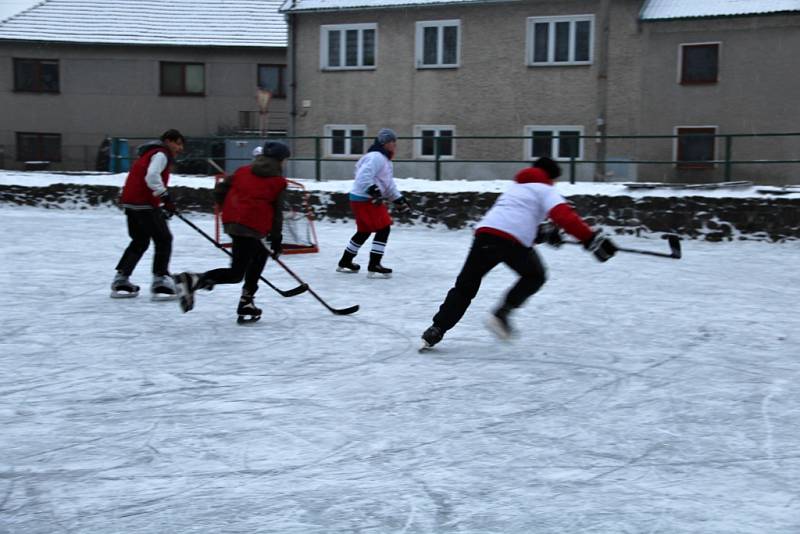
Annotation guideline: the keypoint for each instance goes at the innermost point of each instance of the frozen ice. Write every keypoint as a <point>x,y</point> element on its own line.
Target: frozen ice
<point>641,395</point>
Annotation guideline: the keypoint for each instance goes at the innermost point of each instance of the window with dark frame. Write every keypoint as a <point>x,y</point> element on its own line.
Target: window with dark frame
<point>696,148</point>
<point>36,75</point>
<point>346,141</point>
<point>349,46</point>
<point>559,143</point>
<point>429,139</point>
<point>183,79</point>
<point>438,43</point>
<point>700,63</point>
<point>38,146</point>
<point>563,40</point>
<point>272,78</point>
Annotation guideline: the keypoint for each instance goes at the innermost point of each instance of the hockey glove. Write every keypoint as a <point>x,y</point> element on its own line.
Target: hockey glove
<point>601,246</point>
<point>550,234</point>
<point>402,205</point>
<point>375,194</point>
<point>168,204</point>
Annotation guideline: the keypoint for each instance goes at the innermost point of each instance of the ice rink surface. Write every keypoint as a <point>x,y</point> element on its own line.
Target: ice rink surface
<point>641,395</point>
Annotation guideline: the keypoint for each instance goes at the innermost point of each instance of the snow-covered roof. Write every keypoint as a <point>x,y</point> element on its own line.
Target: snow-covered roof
<point>680,9</point>
<point>331,5</point>
<point>251,23</point>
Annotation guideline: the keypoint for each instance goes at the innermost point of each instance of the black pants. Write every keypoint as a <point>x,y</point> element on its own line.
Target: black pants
<point>486,253</point>
<point>248,261</point>
<point>144,225</point>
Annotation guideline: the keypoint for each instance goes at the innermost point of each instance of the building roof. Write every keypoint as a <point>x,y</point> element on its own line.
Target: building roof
<point>681,9</point>
<point>292,6</point>
<point>250,23</point>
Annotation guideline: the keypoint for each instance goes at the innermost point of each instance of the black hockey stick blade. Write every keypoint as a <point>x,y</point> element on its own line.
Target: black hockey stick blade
<point>335,311</point>
<point>674,246</point>
<point>302,288</point>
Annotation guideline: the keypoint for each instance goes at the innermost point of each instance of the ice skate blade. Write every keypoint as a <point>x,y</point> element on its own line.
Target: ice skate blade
<point>346,270</point>
<point>426,347</point>
<point>123,295</point>
<point>163,297</point>
<point>496,327</point>
<point>247,319</point>
<point>379,275</point>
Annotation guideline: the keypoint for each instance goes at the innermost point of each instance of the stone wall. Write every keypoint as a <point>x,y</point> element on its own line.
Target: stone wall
<point>697,217</point>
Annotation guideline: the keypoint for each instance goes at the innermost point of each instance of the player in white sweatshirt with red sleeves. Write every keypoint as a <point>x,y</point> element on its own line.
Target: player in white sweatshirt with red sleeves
<point>506,234</point>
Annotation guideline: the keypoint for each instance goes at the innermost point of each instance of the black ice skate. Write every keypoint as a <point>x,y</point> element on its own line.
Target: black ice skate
<point>351,267</point>
<point>247,310</point>
<point>499,325</point>
<point>378,271</point>
<point>122,288</point>
<point>163,288</point>
<point>431,337</point>
<point>187,284</point>
<point>346,264</point>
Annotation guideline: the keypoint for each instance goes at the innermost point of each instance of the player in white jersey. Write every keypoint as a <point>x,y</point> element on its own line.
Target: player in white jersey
<point>506,234</point>
<point>374,183</point>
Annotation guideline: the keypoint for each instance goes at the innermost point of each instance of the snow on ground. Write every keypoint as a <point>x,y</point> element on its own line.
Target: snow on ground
<point>42,179</point>
<point>641,395</point>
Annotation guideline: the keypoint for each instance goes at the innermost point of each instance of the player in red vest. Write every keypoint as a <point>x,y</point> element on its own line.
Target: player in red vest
<point>148,205</point>
<point>251,200</point>
<point>506,234</point>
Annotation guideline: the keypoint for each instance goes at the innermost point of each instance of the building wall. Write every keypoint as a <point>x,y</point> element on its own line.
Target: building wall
<point>493,92</point>
<point>757,92</point>
<point>114,91</point>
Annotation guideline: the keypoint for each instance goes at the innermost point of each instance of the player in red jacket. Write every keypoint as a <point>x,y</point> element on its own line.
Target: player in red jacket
<point>143,196</point>
<point>251,200</point>
<point>506,234</point>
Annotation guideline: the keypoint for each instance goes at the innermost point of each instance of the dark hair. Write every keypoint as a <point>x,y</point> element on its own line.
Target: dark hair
<point>549,166</point>
<point>172,135</point>
<point>276,150</point>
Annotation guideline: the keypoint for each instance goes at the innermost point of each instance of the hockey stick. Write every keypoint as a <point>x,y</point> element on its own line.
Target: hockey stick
<point>286,293</point>
<point>674,246</point>
<point>335,311</point>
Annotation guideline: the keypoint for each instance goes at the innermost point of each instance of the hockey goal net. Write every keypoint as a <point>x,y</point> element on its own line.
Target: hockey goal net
<point>299,235</point>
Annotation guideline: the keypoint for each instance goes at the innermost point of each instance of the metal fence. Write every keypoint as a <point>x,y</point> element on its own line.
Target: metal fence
<point>659,155</point>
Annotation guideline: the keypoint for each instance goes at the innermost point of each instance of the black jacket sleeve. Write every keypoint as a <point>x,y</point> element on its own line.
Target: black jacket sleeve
<point>276,233</point>
<point>221,190</point>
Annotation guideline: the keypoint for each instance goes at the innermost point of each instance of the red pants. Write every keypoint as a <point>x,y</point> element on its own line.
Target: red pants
<point>370,217</point>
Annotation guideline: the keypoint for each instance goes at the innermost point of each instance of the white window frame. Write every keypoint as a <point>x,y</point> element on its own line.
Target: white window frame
<point>675,130</point>
<point>420,43</point>
<point>528,148</point>
<point>551,40</point>
<point>418,128</point>
<point>325,29</point>
<point>349,154</point>
<point>681,46</point>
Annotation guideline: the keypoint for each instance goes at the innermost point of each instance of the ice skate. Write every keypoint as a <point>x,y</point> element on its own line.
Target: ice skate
<point>378,271</point>
<point>499,325</point>
<point>350,267</point>
<point>122,288</point>
<point>247,310</point>
<point>346,264</point>
<point>431,337</point>
<point>163,288</point>
<point>187,284</point>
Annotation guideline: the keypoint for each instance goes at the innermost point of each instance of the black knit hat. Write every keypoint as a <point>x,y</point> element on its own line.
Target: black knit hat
<point>276,150</point>
<point>549,166</point>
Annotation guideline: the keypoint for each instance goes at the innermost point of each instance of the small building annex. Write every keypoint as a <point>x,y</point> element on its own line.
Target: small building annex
<point>73,73</point>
